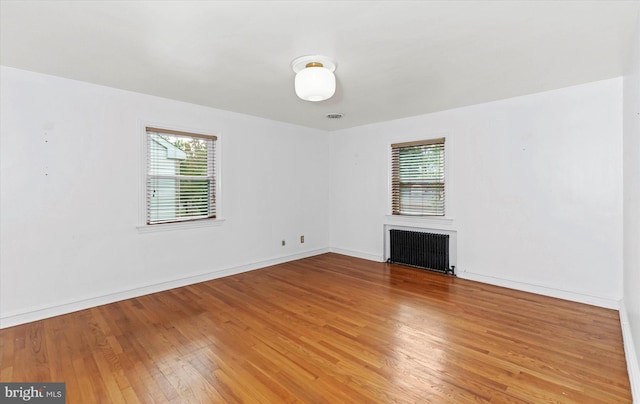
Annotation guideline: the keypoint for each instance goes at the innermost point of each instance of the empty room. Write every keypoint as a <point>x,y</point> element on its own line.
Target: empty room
<point>319,201</point>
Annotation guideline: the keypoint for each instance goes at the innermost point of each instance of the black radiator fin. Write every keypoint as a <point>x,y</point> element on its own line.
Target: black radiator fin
<point>420,249</point>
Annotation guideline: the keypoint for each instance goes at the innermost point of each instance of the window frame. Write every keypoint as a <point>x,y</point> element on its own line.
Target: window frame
<point>145,227</point>
<point>447,186</point>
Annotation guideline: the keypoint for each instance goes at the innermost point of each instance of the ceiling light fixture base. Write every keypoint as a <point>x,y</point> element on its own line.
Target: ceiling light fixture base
<point>301,63</point>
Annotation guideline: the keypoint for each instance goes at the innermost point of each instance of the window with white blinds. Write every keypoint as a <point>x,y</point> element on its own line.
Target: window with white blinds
<point>417,178</point>
<point>181,178</point>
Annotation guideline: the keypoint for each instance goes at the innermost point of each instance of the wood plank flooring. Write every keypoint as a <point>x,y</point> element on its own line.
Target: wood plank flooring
<point>327,329</point>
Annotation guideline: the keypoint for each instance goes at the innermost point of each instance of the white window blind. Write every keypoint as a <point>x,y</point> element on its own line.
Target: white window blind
<point>417,172</point>
<point>181,183</point>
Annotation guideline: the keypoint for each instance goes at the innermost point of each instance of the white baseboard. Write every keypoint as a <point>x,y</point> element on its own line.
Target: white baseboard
<point>543,290</point>
<point>633,367</point>
<point>357,254</point>
<point>39,313</point>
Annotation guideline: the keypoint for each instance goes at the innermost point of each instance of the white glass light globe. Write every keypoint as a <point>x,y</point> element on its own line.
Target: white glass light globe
<point>315,84</point>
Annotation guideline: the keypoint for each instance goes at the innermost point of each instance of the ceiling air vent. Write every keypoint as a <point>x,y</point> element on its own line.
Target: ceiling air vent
<point>335,115</point>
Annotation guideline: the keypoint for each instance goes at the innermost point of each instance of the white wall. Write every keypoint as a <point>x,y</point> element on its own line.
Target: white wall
<point>630,310</point>
<point>534,189</point>
<point>534,193</point>
<point>71,195</point>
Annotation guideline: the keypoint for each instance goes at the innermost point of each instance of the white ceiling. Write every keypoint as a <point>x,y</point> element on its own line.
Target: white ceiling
<point>394,58</point>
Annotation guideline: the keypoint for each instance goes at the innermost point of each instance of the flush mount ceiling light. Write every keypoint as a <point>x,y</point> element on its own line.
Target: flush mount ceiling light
<point>314,77</point>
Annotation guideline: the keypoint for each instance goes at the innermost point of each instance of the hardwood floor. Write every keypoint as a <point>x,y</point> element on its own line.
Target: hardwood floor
<point>327,329</point>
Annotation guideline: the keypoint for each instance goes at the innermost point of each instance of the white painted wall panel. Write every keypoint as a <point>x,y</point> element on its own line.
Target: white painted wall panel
<point>535,189</point>
<point>71,189</point>
<point>630,316</point>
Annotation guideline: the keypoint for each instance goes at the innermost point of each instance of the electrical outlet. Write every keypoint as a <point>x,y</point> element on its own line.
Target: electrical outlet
<point>302,239</point>
<point>283,243</point>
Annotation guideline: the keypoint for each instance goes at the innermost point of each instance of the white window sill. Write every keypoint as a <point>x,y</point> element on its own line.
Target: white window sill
<point>433,221</point>
<point>179,225</point>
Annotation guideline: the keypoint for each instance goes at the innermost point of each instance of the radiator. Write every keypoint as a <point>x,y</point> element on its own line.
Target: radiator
<point>420,249</point>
